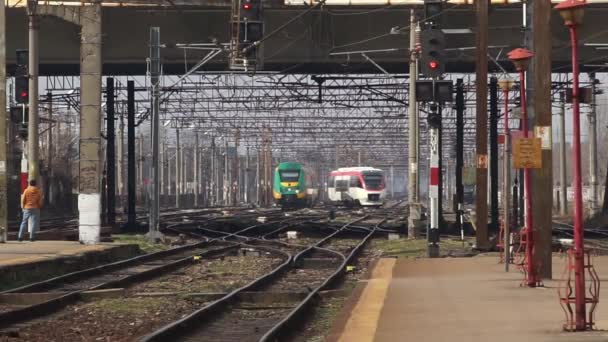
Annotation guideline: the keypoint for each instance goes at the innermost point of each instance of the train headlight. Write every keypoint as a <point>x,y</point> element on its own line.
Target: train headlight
<point>297,191</point>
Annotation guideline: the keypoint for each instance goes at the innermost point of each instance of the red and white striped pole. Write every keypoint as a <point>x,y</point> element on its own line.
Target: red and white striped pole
<point>435,174</point>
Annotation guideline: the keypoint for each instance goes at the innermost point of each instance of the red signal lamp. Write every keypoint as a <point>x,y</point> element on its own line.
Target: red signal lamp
<point>434,65</point>
<point>246,6</point>
<point>23,94</point>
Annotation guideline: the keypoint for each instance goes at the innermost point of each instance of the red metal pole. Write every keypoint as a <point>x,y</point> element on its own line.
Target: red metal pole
<point>531,272</point>
<point>506,183</point>
<point>579,266</point>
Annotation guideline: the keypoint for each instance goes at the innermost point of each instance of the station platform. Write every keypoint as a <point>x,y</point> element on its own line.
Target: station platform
<point>23,262</point>
<point>459,299</point>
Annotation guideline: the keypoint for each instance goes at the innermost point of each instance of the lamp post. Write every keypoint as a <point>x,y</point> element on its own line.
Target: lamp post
<point>521,58</point>
<point>572,12</point>
<point>505,86</point>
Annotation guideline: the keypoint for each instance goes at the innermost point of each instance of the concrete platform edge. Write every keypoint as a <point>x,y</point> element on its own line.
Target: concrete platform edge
<point>343,316</point>
<point>24,272</point>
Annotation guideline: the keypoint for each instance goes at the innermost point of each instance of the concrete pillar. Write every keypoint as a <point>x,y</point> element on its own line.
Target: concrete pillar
<point>89,197</point>
<point>32,129</point>
<point>481,131</point>
<point>542,179</point>
<point>153,228</point>
<point>3,137</point>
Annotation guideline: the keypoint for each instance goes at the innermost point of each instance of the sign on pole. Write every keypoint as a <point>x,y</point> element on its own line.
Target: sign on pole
<point>527,153</point>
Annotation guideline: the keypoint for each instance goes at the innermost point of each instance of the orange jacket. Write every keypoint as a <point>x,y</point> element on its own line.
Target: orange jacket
<point>31,198</point>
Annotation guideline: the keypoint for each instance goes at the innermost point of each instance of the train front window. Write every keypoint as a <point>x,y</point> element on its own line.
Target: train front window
<point>289,175</point>
<point>373,181</point>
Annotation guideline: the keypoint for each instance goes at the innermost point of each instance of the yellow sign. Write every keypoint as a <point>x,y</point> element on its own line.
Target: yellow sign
<point>527,153</point>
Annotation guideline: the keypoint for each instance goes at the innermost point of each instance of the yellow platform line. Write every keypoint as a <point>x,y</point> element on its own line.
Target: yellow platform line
<point>363,321</point>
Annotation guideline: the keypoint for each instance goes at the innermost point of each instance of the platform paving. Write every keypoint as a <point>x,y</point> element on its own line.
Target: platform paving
<point>23,262</point>
<point>13,252</point>
<point>462,299</point>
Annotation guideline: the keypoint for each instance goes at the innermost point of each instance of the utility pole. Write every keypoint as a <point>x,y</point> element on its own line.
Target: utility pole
<point>184,169</point>
<point>236,166</point>
<point>163,155</point>
<point>257,177</point>
<point>140,170</point>
<point>505,86</point>
<point>169,175</point>
<point>196,170</point>
<point>49,148</point>
<point>246,180</point>
<point>481,85</point>
<point>154,233</point>
<point>216,157</point>
<point>110,154</point>
<point>459,150</point>
<point>494,153</point>
<point>3,138</point>
<point>392,182</point>
<point>212,173</point>
<point>131,189</point>
<point>563,192</point>
<point>227,182</point>
<point>542,179</point>
<point>592,126</point>
<point>177,169</point>
<point>412,148</point>
<point>120,164</point>
<point>32,128</point>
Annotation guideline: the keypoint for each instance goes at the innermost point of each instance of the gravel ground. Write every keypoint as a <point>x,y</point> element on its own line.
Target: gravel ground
<point>213,275</point>
<point>116,320</point>
<point>131,316</point>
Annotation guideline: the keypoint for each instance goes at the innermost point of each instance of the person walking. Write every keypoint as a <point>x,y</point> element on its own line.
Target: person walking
<point>31,202</point>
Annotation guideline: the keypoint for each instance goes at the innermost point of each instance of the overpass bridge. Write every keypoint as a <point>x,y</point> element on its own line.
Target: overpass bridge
<point>303,47</point>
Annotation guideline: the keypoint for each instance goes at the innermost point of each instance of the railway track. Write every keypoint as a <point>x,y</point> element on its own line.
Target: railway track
<point>67,289</point>
<point>596,239</point>
<point>231,318</point>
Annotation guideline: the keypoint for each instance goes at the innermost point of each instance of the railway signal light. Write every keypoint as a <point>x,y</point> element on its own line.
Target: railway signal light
<point>432,56</point>
<point>22,81</point>
<point>434,91</point>
<point>247,29</point>
<point>251,10</point>
<point>17,116</point>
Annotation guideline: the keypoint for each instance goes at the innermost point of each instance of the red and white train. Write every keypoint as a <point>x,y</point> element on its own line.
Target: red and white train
<point>361,186</point>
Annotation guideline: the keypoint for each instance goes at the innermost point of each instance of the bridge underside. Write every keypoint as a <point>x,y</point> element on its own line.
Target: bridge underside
<point>303,47</point>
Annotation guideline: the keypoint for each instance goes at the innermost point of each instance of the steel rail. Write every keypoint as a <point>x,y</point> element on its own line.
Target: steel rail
<point>284,327</point>
<point>57,303</point>
<point>179,328</point>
